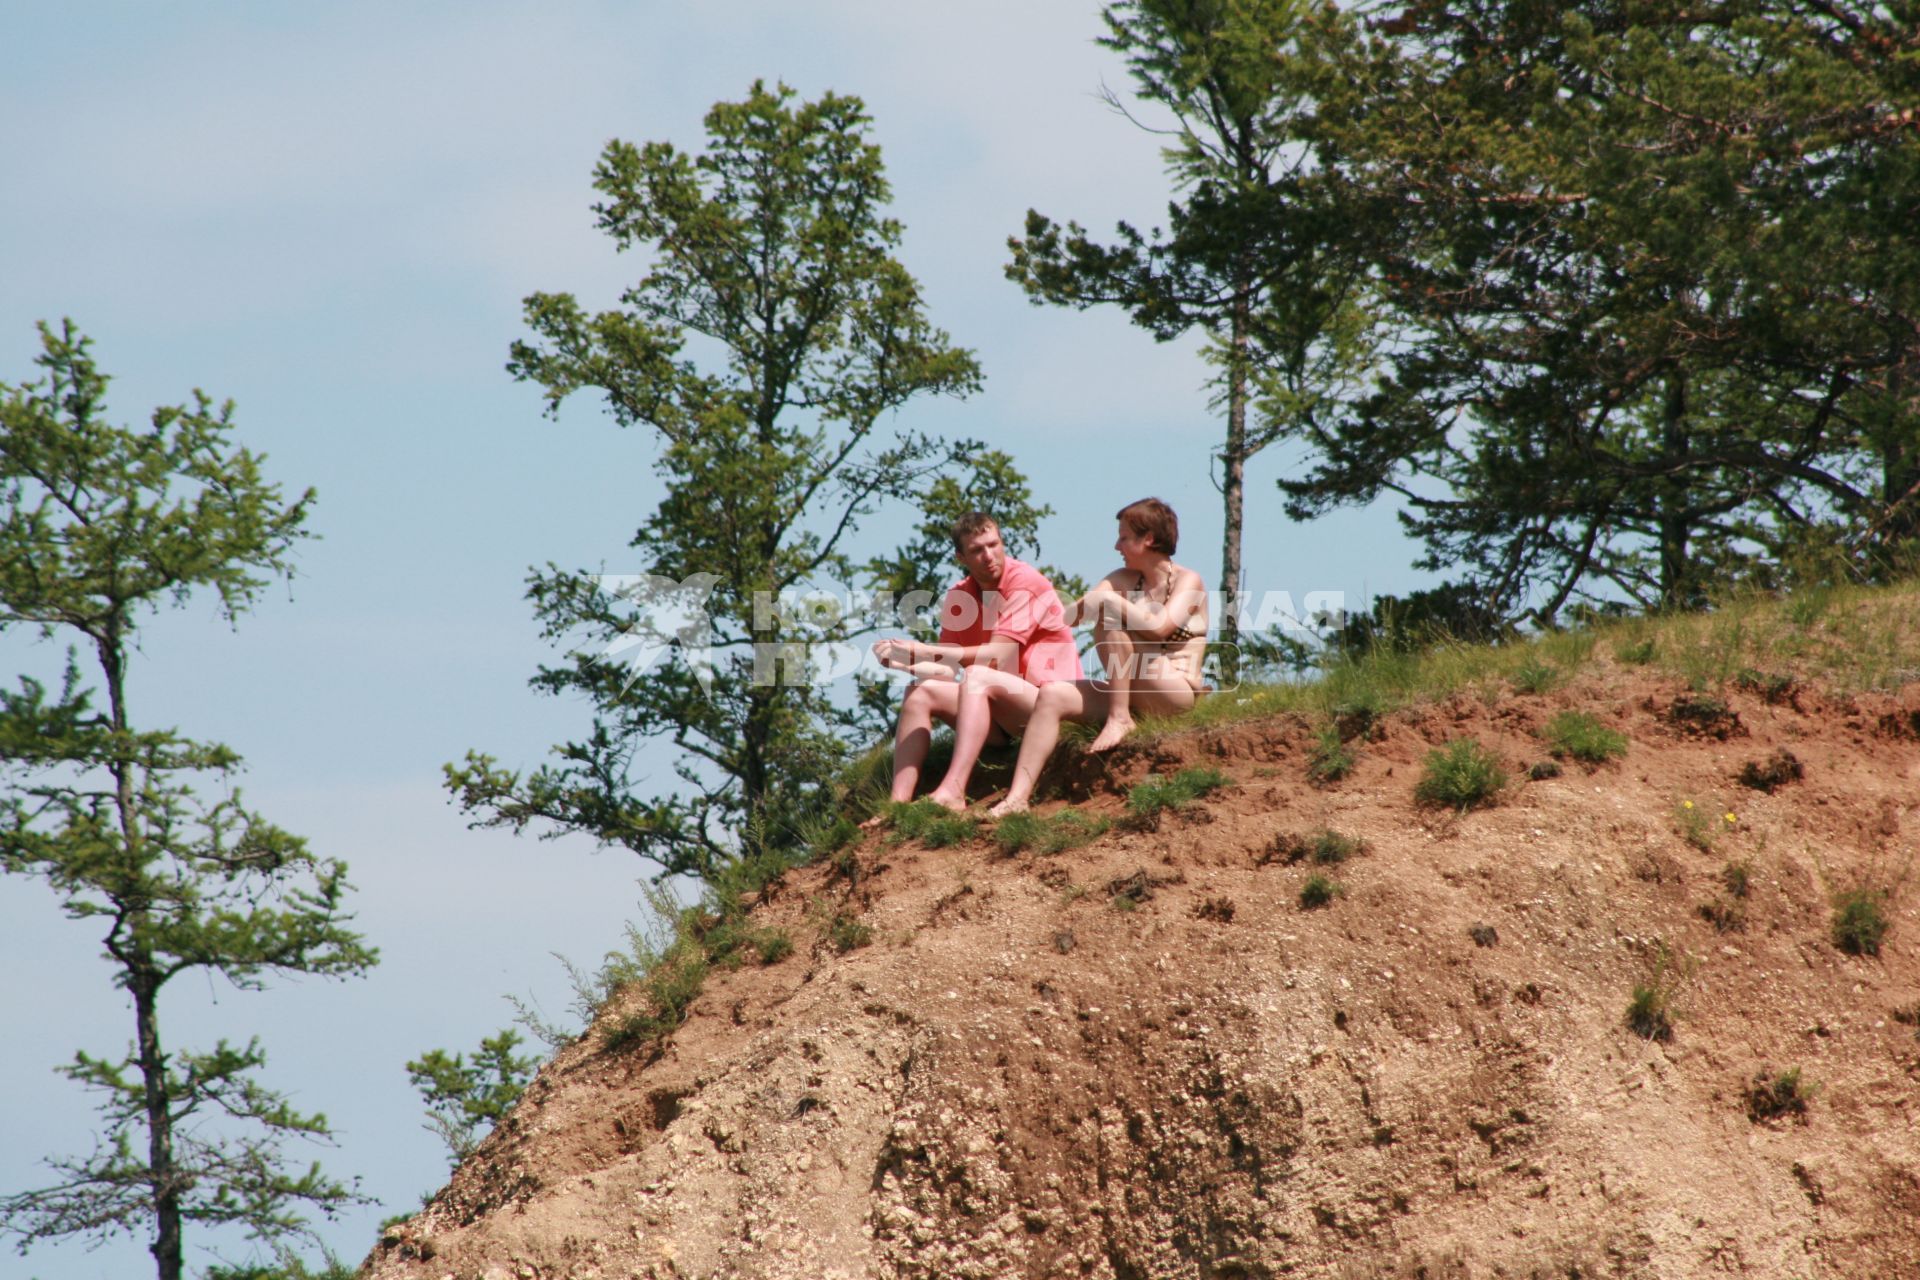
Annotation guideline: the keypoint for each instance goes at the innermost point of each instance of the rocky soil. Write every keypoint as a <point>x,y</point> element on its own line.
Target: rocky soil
<point>1144,1058</point>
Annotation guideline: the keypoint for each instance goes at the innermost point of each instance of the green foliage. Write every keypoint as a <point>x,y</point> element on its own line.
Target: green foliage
<point>286,1266</point>
<point>1068,829</point>
<point>763,353</point>
<point>465,1099</point>
<point>1174,791</point>
<point>932,825</point>
<point>1319,891</point>
<point>99,527</point>
<point>1460,775</point>
<point>1644,349</point>
<point>1329,759</point>
<point>1580,735</point>
<point>1286,312</point>
<point>845,932</point>
<point>1860,922</point>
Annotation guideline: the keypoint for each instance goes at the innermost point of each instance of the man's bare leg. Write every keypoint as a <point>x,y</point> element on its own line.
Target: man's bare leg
<point>925,702</point>
<point>1116,651</point>
<point>988,697</point>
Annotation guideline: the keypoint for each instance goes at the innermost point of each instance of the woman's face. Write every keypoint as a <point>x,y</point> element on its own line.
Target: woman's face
<point>1133,546</point>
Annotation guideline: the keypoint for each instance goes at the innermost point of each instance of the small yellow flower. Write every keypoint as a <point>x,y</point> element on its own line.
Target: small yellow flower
<point>1729,819</point>
<point>1686,804</point>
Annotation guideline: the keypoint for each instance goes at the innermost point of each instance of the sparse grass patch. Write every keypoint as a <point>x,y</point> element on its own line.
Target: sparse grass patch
<point>1460,775</point>
<point>1650,1010</point>
<point>1541,770</point>
<point>1784,1094</point>
<point>1701,714</point>
<point>1725,915</point>
<point>1737,877</point>
<point>1318,891</point>
<point>1860,921</point>
<point>841,929</point>
<point>1698,827</point>
<point>1068,829</point>
<point>1325,847</point>
<point>1484,935</point>
<point>1534,675</point>
<point>1174,791</point>
<point>1772,773</point>
<point>1636,653</point>
<point>1581,736</point>
<point>930,824</point>
<point>1329,759</point>
<point>1648,1013</point>
<point>1770,686</point>
<point>1908,1015</point>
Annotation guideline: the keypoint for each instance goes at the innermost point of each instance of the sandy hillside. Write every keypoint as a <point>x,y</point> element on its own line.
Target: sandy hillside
<point>1021,1076</point>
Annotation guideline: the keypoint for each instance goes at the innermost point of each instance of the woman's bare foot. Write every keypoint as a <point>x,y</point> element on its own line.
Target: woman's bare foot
<point>1116,728</point>
<point>947,801</point>
<point>1008,806</point>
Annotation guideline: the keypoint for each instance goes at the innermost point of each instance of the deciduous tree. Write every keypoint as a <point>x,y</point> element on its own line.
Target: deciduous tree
<point>765,352</point>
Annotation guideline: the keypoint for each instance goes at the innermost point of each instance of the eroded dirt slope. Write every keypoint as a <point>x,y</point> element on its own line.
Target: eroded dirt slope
<point>1021,1078</point>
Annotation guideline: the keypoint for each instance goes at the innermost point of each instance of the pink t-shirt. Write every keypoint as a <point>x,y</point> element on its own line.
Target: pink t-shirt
<point>1023,608</point>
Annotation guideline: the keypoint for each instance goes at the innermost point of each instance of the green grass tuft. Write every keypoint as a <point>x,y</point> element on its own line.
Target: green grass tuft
<point>930,824</point>
<point>1329,759</point>
<point>1174,791</point>
<point>1460,776</point>
<point>1579,735</point>
<point>1319,891</point>
<point>1535,676</point>
<point>1860,921</point>
<point>1068,829</point>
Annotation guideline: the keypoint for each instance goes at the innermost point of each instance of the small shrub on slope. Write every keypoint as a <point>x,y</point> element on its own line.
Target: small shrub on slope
<point>1460,775</point>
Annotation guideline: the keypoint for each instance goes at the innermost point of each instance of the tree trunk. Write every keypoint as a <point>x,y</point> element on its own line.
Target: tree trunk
<point>1233,459</point>
<point>1899,524</point>
<point>162,1177</point>
<point>143,982</point>
<point>1677,590</point>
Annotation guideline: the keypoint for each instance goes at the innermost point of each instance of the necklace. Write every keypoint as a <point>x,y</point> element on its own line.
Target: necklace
<point>1166,588</point>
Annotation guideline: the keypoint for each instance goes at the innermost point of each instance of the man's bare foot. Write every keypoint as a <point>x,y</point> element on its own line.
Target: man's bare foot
<point>1116,728</point>
<point>1008,806</point>
<point>956,803</point>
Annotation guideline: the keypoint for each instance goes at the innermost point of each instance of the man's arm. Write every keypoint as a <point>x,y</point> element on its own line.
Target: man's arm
<point>1000,653</point>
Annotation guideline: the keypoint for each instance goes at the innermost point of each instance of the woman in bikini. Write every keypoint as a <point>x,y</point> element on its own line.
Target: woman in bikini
<point>1149,620</point>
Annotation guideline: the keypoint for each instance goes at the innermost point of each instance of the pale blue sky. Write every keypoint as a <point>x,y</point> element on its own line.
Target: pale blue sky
<point>329,213</point>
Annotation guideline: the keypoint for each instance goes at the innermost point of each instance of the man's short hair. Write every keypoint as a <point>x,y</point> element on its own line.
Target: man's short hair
<point>1154,520</point>
<point>968,525</point>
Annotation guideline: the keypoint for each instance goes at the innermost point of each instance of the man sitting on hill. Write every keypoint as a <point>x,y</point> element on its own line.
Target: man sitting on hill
<point>1000,625</point>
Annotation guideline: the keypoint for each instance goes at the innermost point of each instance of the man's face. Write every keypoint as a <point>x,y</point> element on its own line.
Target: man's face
<point>984,556</point>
